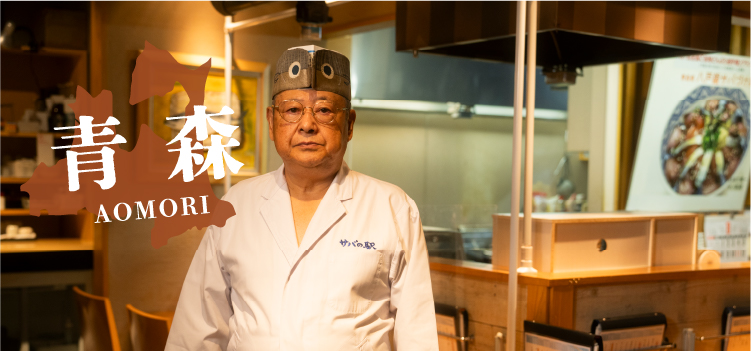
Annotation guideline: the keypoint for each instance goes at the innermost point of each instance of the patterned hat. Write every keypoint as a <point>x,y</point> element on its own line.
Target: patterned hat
<point>312,67</point>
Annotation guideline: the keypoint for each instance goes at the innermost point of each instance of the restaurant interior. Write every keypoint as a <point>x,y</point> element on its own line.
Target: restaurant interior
<point>613,224</point>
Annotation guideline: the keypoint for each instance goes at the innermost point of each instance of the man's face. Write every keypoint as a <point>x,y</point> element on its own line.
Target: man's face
<point>308,142</point>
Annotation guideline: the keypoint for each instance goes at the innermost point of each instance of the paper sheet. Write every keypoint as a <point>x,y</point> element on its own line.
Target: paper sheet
<point>632,338</point>
<point>740,343</point>
<point>534,342</point>
<point>728,235</point>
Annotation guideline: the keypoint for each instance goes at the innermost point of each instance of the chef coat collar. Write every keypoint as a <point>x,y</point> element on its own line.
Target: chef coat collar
<point>342,183</point>
<point>277,212</point>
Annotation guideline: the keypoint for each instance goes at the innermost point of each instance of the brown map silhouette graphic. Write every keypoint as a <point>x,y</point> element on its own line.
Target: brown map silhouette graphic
<point>156,73</point>
<point>142,174</point>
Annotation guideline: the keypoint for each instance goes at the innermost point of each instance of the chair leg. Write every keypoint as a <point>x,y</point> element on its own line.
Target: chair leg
<point>24,320</point>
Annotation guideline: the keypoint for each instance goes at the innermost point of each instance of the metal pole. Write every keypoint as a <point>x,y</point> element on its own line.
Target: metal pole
<point>227,90</point>
<point>727,336</point>
<point>498,341</point>
<point>688,338</point>
<point>515,176</point>
<point>526,261</point>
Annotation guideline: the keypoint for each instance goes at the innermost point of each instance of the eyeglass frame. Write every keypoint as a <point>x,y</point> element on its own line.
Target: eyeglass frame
<point>276,108</point>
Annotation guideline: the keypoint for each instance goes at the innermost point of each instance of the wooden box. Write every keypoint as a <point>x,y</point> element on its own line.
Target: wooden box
<point>569,242</point>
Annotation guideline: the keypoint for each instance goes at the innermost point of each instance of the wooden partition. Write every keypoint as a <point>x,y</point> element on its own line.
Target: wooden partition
<point>573,242</point>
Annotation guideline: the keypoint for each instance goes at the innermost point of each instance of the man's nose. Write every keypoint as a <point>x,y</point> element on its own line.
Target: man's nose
<point>307,121</point>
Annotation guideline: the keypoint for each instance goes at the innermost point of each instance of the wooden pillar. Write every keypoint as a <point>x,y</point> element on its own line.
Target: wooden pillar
<point>561,308</point>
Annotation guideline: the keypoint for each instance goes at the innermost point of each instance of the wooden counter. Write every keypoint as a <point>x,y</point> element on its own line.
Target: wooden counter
<point>687,296</point>
<point>598,277</point>
<point>604,217</point>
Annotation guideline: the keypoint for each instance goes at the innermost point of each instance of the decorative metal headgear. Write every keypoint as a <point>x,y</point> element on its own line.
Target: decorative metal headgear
<point>312,67</point>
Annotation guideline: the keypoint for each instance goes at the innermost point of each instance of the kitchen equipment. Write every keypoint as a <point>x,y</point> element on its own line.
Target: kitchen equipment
<point>57,117</point>
<point>13,232</point>
<point>444,242</point>
<point>565,186</point>
<point>22,168</point>
<point>570,34</point>
<point>29,122</point>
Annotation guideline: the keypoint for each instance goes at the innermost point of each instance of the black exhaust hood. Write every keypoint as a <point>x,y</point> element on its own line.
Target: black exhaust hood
<point>573,34</point>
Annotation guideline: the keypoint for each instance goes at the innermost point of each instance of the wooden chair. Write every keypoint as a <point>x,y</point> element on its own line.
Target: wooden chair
<point>98,331</point>
<point>148,332</point>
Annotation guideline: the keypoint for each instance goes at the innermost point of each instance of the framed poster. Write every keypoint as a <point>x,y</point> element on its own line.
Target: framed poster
<point>248,103</point>
<point>693,145</point>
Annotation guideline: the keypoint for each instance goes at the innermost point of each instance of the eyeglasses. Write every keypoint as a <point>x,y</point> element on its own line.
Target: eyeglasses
<point>323,111</point>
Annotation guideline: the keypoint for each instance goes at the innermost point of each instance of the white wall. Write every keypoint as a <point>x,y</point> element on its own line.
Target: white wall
<point>440,161</point>
<point>593,107</point>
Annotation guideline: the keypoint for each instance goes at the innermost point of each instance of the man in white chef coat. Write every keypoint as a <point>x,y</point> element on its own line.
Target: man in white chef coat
<point>318,257</point>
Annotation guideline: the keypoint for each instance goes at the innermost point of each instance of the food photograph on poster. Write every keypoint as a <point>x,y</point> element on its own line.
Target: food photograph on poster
<point>692,150</point>
<point>705,140</point>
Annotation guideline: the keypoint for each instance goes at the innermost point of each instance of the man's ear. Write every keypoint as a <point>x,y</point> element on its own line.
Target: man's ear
<point>270,119</point>
<point>351,124</point>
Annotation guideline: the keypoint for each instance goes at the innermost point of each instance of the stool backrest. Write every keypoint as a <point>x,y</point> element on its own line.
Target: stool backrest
<point>98,330</point>
<point>147,331</point>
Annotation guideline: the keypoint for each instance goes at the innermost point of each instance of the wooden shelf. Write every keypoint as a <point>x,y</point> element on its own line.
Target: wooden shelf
<point>17,212</point>
<point>51,66</point>
<point>31,134</point>
<point>25,212</point>
<point>46,245</point>
<point>51,52</point>
<point>13,180</point>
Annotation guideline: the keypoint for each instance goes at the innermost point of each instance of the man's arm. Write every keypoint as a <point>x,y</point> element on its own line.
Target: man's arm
<point>411,291</point>
<point>204,308</point>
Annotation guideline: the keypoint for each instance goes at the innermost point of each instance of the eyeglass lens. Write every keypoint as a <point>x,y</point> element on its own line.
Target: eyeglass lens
<point>292,111</point>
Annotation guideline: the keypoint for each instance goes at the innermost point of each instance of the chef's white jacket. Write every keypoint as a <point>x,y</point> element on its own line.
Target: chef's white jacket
<point>360,271</point>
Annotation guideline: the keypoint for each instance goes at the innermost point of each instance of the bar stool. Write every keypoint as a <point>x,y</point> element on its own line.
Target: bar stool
<point>147,331</point>
<point>98,331</point>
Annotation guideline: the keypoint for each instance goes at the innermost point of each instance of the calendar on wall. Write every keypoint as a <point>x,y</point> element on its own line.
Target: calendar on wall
<point>728,235</point>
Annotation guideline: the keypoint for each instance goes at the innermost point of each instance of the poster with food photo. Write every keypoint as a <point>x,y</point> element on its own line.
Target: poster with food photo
<point>693,145</point>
